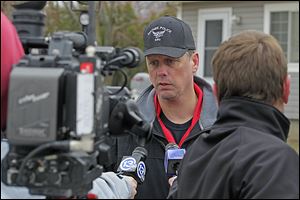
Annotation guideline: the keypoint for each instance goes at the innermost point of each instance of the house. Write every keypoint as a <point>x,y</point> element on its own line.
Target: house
<point>214,21</point>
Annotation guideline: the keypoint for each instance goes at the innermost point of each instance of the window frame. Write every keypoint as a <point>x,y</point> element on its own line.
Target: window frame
<point>281,7</point>
<point>223,14</point>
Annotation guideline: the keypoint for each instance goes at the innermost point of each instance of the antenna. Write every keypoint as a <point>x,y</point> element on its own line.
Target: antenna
<point>92,24</point>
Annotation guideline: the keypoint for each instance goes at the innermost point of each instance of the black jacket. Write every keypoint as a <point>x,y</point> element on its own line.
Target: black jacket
<point>156,182</point>
<point>243,156</point>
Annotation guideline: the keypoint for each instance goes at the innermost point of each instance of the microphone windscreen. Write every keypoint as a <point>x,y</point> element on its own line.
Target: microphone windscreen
<point>140,150</point>
<point>171,146</point>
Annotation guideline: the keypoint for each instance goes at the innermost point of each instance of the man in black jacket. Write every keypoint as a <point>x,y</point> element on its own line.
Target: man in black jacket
<point>244,155</point>
<point>178,104</point>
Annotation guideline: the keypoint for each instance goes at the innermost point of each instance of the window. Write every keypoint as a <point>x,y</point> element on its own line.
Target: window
<point>282,21</point>
<point>213,29</point>
<point>213,38</point>
<point>284,26</point>
<point>294,50</point>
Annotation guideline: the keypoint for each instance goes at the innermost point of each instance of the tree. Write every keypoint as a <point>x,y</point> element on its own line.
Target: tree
<point>60,17</point>
<point>117,24</point>
<point>6,7</point>
<point>120,26</point>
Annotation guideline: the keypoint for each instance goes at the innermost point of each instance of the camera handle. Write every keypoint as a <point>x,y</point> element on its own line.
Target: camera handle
<point>126,119</point>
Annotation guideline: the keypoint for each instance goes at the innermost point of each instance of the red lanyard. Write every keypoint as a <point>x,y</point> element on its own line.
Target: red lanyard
<point>196,117</point>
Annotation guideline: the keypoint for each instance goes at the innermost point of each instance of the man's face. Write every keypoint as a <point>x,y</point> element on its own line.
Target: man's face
<point>171,77</point>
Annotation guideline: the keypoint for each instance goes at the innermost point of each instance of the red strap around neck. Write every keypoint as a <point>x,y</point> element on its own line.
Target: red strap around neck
<point>196,117</point>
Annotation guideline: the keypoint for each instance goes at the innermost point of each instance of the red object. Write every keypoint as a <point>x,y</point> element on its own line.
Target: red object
<point>11,52</point>
<point>91,196</point>
<point>87,67</point>
<point>196,117</point>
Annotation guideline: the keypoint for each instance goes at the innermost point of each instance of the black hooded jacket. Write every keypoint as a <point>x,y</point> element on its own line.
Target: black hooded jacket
<point>243,156</point>
<point>156,184</point>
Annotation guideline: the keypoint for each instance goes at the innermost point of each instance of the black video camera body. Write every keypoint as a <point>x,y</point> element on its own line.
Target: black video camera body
<point>60,112</point>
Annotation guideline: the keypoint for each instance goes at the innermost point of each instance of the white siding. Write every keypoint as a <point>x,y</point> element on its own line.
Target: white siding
<point>252,17</point>
<point>292,108</point>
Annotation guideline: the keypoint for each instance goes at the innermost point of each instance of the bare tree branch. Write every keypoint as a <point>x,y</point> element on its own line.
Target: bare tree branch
<point>71,13</point>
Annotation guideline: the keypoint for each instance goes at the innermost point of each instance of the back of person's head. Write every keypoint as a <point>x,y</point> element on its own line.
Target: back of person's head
<point>250,64</point>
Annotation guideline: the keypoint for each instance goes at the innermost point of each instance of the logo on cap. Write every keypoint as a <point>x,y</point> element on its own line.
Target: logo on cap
<point>159,32</point>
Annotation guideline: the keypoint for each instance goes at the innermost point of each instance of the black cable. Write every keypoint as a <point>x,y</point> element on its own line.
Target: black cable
<point>63,145</point>
<point>112,61</point>
<point>124,83</point>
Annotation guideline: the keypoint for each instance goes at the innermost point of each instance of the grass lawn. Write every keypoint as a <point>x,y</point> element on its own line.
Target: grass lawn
<point>293,138</point>
<point>294,144</point>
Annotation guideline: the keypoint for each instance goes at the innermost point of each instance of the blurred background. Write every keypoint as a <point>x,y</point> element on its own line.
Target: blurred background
<point>121,24</point>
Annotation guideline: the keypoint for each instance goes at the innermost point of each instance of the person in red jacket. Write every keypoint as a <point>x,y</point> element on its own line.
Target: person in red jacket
<point>11,52</point>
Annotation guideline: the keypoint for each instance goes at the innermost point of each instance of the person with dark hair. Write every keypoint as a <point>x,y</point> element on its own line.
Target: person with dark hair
<point>244,155</point>
<point>179,104</point>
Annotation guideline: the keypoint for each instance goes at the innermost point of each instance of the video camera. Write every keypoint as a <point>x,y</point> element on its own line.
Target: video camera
<point>61,115</point>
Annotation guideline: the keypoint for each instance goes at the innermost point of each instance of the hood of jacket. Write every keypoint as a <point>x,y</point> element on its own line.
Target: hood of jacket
<point>250,113</point>
<point>209,105</point>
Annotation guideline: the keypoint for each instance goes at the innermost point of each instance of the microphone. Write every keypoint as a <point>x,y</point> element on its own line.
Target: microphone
<point>173,156</point>
<point>134,165</point>
<point>129,57</point>
<point>132,57</point>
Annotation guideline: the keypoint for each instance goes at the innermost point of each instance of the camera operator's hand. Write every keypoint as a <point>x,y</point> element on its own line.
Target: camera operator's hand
<point>112,186</point>
<point>171,180</point>
<point>132,185</point>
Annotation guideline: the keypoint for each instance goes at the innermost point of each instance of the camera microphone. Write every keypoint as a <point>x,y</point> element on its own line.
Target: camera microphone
<point>134,165</point>
<point>129,57</point>
<point>132,57</point>
<point>173,156</point>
